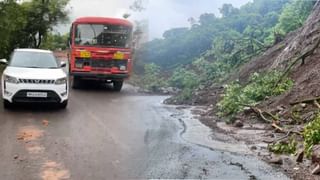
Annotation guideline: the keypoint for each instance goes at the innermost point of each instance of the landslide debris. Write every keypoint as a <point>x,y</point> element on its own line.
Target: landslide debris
<point>286,115</point>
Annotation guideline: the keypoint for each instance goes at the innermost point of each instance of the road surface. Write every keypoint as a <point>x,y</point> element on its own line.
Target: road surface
<point>110,135</point>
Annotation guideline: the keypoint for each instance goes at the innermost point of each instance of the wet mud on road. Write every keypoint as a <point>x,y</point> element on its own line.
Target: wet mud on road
<point>109,135</point>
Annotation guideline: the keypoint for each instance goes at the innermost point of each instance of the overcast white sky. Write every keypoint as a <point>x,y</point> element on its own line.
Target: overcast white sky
<point>161,14</point>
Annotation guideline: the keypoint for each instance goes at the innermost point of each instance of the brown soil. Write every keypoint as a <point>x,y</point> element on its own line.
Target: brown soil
<point>45,123</point>
<point>306,78</point>
<point>29,133</point>
<point>54,171</point>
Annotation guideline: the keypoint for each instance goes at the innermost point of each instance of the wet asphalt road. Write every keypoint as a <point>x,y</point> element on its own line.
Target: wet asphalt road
<point>109,135</point>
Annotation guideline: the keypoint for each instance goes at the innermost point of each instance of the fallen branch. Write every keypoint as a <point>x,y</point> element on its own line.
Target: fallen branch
<point>315,102</point>
<point>282,138</point>
<point>262,114</point>
<point>288,133</point>
<point>271,115</point>
<point>296,60</point>
<point>286,136</point>
<point>274,125</point>
<point>309,100</point>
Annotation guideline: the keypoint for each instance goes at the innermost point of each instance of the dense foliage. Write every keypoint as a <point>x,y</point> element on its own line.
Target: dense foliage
<point>311,135</point>
<point>186,80</point>
<point>55,42</point>
<point>294,15</point>
<point>213,47</point>
<point>259,87</point>
<point>27,23</point>
<point>239,31</point>
<point>152,79</point>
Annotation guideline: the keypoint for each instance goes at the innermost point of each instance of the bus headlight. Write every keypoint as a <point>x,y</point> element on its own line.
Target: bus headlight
<point>79,65</point>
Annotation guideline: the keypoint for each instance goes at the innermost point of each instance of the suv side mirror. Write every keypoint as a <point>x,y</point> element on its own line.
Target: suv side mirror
<point>3,61</point>
<point>63,64</point>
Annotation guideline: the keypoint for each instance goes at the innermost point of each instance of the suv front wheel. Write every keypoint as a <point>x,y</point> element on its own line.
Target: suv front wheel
<point>63,105</point>
<point>7,104</point>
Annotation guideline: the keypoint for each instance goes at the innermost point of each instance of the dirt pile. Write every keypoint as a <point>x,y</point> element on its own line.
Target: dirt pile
<point>298,55</point>
<point>305,74</point>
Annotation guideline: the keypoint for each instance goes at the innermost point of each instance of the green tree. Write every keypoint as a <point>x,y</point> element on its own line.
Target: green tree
<point>12,23</point>
<point>27,23</point>
<point>294,15</point>
<point>152,79</point>
<point>42,16</point>
<point>55,42</point>
<point>184,79</point>
<point>227,10</point>
<point>182,46</point>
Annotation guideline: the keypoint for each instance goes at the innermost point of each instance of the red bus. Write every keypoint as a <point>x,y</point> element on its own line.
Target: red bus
<point>100,50</point>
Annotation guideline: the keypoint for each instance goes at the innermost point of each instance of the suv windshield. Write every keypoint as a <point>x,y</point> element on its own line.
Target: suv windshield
<point>103,35</point>
<point>33,60</point>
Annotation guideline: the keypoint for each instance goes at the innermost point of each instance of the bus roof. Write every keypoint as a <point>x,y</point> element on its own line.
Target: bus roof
<point>101,20</point>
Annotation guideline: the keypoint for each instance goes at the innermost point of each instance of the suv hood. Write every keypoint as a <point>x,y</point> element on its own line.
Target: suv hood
<point>34,73</point>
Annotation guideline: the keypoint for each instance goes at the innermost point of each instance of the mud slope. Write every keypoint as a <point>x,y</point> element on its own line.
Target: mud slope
<point>306,76</point>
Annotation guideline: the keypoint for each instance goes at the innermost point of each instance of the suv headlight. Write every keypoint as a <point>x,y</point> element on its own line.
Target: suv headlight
<point>10,79</point>
<point>61,81</point>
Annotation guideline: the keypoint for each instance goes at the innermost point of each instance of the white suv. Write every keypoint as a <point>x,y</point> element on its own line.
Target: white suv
<point>34,75</point>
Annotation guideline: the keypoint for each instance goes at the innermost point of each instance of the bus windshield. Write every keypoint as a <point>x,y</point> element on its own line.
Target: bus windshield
<point>105,35</point>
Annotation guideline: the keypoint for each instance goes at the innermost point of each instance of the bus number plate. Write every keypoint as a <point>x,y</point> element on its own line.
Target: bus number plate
<point>118,56</point>
<point>85,54</point>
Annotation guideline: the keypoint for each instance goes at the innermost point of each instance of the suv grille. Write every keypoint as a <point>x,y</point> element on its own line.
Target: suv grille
<point>36,81</point>
<point>21,97</point>
<point>101,63</point>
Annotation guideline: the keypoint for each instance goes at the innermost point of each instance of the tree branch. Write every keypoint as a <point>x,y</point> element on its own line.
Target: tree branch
<point>262,114</point>
<point>309,100</point>
<point>301,57</point>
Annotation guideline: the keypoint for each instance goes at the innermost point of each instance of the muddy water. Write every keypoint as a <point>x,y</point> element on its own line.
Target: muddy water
<point>234,154</point>
<point>198,134</point>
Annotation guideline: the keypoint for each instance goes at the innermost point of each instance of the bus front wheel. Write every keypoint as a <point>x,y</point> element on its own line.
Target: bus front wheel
<point>117,85</point>
<point>76,82</point>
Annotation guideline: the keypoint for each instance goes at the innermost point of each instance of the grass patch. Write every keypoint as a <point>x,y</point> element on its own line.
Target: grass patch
<point>259,87</point>
<point>311,135</point>
<point>289,147</point>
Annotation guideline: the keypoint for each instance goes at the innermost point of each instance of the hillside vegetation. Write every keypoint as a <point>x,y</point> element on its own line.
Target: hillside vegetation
<point>213,47</point>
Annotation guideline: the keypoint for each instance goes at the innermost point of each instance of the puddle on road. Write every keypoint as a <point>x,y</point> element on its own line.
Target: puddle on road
<point>197,133</point>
